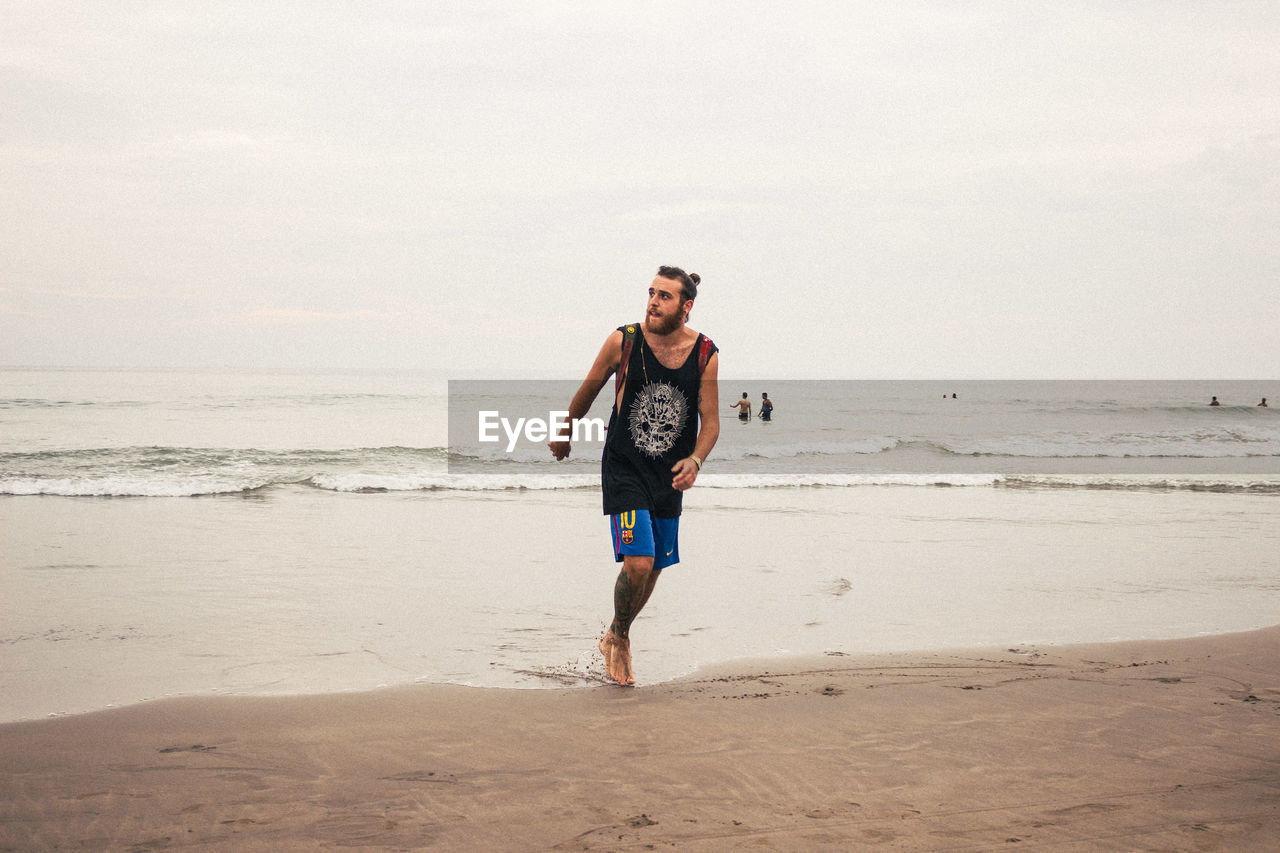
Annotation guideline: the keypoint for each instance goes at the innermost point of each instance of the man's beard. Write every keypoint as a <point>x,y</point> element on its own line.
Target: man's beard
<point>662,325</point>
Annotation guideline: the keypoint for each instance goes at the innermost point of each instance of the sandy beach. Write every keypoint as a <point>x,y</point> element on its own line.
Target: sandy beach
<point>1163,745</point>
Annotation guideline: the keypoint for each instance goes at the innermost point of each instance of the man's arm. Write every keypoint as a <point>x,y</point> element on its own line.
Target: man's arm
<point>686,470</point>
<point>606,363</point>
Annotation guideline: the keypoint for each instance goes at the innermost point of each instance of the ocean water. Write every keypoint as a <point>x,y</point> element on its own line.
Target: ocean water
<point>195,532</point>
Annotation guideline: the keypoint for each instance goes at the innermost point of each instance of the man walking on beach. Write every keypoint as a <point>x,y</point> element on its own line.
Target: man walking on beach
<point>665,421</point>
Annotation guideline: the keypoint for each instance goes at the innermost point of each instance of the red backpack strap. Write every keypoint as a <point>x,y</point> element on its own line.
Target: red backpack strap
<point>704,354</point>
<point>628,341</point>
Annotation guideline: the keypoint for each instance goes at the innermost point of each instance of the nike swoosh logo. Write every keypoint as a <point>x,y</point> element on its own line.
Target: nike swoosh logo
<point>668,554</point>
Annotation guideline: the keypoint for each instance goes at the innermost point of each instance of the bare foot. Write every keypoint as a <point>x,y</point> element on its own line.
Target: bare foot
<point>606,649</point>
<point>617,658</point>
<point>622,662</point>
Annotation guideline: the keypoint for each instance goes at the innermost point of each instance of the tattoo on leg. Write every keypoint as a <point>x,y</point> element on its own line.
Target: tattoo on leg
<point>628,598</point>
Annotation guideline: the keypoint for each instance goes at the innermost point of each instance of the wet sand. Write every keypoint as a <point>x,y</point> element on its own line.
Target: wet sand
<point>1159,745</point>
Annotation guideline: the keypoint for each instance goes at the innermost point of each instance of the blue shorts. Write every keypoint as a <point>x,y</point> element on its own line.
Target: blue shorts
<point>638,534</point>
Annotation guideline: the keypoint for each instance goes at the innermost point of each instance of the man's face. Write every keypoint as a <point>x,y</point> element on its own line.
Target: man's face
<point>665,311</point>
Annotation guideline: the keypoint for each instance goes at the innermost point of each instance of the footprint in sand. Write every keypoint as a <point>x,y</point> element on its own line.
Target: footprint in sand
<point>194,748</point>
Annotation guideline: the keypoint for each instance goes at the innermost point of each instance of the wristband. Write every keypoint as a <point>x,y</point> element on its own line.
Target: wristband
<point>696,461</point>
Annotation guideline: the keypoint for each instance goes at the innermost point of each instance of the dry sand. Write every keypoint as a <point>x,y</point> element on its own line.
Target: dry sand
<point>1169,745</point>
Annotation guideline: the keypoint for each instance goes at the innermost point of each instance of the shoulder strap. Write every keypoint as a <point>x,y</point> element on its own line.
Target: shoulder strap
<point>704,354</point>
<point>628,341</point>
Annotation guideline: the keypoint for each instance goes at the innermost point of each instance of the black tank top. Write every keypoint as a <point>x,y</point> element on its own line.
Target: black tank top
<point>655,426</point>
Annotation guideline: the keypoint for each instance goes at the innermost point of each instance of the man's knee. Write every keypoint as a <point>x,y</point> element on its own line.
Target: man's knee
<point>637,567</point>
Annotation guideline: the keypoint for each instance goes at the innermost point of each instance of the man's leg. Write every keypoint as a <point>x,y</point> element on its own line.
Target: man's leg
<point>610,640</point>
<point>654,574</point>
<point>631,590</point>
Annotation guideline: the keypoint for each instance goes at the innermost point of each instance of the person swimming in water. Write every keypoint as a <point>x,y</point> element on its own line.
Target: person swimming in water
<point>743,406</point>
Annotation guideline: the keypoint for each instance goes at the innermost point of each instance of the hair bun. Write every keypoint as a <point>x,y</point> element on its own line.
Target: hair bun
<point>695,278</point>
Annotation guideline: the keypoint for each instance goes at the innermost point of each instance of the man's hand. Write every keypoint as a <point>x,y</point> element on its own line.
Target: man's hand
<point>686,471</point>
<point>560,450</point>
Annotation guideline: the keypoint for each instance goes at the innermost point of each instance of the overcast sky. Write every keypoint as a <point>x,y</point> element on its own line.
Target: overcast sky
<point>868,189</point>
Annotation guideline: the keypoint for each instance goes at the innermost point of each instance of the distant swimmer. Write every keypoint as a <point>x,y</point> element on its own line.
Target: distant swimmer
<point>1263,404</point>
<point>766,407</point>
<point>1215,402</point>
<point>743,406</point>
